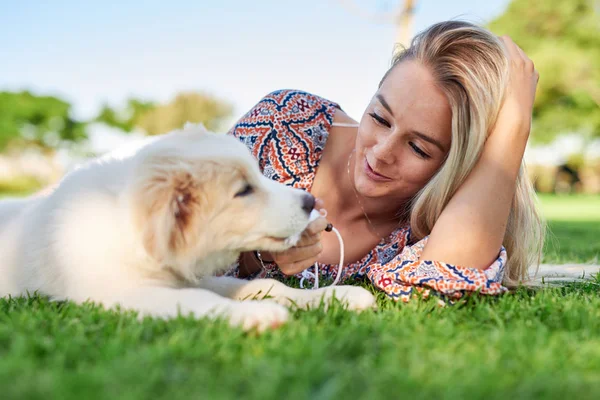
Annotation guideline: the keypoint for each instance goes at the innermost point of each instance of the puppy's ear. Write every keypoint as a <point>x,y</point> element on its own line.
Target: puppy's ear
<point>171,209</point>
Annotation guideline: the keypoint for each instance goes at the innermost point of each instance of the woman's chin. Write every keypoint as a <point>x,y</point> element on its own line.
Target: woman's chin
<point>370,190</point>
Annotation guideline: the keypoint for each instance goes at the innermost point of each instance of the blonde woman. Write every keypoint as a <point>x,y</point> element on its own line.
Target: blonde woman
<point>428,190</point>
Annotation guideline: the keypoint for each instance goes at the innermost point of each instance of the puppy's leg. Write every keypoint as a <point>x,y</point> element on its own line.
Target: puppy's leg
<point>354,297</point>
<point>167,303</point>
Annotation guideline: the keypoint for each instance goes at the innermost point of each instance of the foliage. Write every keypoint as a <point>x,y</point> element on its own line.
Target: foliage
<point>45,121</point>
<point>126,119</point>
<point>563,40</point>
<point>30,120</point>
<point>185,107</point>
<point>155,119</point>
<point>22,186</point>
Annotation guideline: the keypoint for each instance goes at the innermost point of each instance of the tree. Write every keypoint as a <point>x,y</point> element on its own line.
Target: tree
<point>155,119</point>
<point>42,121</point>
<point>400,13</point>
<point>126,119</point>
<point>563,40</point>
<point>185,107</point>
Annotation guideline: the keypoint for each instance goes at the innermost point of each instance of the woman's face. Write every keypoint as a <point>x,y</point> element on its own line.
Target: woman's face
<point>404,134</point>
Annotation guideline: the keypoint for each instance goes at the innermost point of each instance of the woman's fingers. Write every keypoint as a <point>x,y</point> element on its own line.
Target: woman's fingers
<point>316,226</point>
<point>516,54</point>
<point>307,240</point>
<point>297,258</point>
<point>511,48</point>
<point>298,254</point>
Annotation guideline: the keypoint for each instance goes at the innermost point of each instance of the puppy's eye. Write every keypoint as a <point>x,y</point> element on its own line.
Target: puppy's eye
<point>247,190</point>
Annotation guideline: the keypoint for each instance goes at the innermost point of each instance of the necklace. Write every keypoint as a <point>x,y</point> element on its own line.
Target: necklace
<point>360,204</point>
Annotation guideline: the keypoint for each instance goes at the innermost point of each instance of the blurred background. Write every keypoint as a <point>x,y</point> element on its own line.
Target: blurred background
<point>79,78</point>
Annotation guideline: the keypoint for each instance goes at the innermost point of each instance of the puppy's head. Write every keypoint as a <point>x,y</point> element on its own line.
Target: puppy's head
<point>199,200</point>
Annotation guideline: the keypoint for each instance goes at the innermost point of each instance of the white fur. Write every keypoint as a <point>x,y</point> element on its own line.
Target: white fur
<point>81,241</point>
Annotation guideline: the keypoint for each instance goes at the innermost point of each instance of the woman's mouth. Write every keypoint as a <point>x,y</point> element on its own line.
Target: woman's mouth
<point>375,175</point>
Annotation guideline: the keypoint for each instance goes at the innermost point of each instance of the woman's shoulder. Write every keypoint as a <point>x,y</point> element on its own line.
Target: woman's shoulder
<point>289,113</point>
<point>295,103</point>
<point>281,96</point>
<point>287,131</point>
<point>283,107</point>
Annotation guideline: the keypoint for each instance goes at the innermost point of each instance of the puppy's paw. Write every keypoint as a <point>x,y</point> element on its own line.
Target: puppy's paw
<point>258,315</point>
<point>353,297</point>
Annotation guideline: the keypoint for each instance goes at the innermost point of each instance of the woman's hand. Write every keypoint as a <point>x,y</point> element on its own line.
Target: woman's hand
<point>306,251</point>
<point>304,254</point>
<point>516,110</point>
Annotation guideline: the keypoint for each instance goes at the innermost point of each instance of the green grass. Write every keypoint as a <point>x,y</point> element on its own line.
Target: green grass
<point>574,228</point>
<point>524,345</point>
<point>19,187</point>
<point>571,207</point>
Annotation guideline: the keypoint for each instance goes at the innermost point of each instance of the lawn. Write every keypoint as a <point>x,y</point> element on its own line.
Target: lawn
<point>18,187</point>
<point>529,344</point>
<point>574,228</point>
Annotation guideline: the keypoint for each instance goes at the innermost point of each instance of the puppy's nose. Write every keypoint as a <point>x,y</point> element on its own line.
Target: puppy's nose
<point>308,202</point>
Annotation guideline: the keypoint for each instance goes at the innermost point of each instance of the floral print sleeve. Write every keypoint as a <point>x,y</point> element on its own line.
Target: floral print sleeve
<point>406,275</point>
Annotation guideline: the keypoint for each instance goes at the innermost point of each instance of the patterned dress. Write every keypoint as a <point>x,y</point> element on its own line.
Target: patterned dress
<point>287,131</point>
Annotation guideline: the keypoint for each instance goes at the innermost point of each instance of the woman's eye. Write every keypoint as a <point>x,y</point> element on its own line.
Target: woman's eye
<point>419,152</point>
<point>380,120</point>
<point>247,190</point>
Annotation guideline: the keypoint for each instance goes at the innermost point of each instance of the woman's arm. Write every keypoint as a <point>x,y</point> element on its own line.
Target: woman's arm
<point>470,230</point>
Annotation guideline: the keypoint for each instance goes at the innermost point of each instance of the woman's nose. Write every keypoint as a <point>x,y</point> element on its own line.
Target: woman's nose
<point>384,149</point>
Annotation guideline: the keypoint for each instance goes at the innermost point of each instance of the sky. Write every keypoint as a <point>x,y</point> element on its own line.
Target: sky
<point>95,52</point>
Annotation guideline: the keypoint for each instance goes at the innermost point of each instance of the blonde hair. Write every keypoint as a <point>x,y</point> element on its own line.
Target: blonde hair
<point>471,67</point>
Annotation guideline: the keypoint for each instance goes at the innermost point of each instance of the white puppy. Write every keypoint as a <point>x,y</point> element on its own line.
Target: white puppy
<point>148,230</point>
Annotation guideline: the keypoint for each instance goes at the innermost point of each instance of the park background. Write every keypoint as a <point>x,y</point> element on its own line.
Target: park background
<point>80,78</point>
